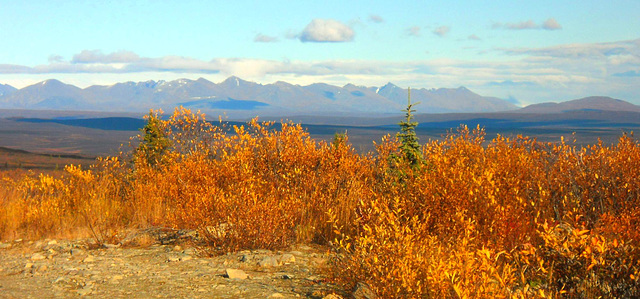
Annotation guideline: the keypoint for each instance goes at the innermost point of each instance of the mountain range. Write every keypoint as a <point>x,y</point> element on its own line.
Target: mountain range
<point>241,98</point>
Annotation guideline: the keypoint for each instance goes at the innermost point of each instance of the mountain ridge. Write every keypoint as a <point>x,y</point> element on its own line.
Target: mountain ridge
<point>279,98</point>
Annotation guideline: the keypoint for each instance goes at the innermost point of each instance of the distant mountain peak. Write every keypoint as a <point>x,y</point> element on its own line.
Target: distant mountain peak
<point>233,80</point>
<point>276,99</point>
<point>593,103</point>
<point>389,85</point>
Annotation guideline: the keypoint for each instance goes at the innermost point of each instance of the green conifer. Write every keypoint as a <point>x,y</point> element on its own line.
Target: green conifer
<point>410,147</point>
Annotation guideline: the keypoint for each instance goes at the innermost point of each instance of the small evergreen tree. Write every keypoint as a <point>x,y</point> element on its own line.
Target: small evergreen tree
<point>154,142</point>
<point>409,147</point>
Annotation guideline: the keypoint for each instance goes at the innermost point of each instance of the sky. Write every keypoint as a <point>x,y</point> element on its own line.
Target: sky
<point>524,51</point>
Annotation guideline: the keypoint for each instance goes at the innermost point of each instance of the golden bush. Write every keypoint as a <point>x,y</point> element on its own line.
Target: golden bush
<point>509,217</point>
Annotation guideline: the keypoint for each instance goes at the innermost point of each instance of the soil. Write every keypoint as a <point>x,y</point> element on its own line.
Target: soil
<point>149,266</point>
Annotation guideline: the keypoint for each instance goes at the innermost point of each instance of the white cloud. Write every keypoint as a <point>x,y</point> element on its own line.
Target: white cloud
<point>474,37</point>
<point>413,31</point>
<point>326,30</point>
<point>376,19</point>
<point>551,24</point>
<point>522,25</point>
<point>441,31</point>
<point>261,38</point>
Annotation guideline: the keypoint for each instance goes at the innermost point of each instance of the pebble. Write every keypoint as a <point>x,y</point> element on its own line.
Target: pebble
<point>287,258</point>
<point>268,261</point>
<point>89,259</point>
<point>236,274</point>
<point>37,257</point>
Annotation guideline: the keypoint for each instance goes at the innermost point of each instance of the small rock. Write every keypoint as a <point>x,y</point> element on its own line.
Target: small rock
<point>89,259</point>
<point>110,246</point>
<point>287,276</point>
<point>236,274</point>
<point>363,291</point>
<point>287,258</point>
<point>28,265</point>
<point>37,257</point>
<point>190,251</point>
<point>76,251</point>
<point>42,268</point>
<point>85,291</point>
<point>4,245</point>
<point>276,295</point>
<point>116,279</point>
<point>268,261</point>
<point>177,248</point>
<point>60,279</point>
<point>52,242</point>
<point>173,259</point>
<point>186,258</point>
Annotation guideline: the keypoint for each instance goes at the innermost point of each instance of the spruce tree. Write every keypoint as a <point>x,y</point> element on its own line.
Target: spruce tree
<point>154,141</point>
<point>409,147</point>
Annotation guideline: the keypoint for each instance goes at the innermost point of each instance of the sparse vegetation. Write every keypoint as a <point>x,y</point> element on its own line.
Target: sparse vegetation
<point>500,218</point>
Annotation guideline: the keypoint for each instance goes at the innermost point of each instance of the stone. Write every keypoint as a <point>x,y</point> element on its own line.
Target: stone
<point>52,242</point>
<point>268,261</point>
<point>287,276</point>
<point>235,274</point>
<point>173,259</point>
<point>85,291</point>
<point>60,279</point>
<point>276,295</point>
<point>37,257</point>
<point>89,259</point>
<point>28,265</point>
<point>287,258</point>
<point>190,251</point>
<point>363,291</point>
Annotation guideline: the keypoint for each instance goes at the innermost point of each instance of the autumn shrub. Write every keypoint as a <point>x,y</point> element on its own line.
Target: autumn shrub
<point>476,204</point>
<point>249,186</point>
<point>465,217</point>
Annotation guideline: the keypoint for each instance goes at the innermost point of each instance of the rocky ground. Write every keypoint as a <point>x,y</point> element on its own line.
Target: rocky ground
<point>151,266</point>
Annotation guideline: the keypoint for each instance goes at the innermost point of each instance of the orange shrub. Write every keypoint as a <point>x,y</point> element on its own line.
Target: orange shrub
<point>476,218</point>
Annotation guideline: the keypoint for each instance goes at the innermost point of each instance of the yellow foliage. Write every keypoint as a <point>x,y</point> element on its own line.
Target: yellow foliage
<point>506,218</point>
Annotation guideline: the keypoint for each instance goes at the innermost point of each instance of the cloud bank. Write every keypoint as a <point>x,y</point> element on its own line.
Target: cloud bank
<point>532,74</point>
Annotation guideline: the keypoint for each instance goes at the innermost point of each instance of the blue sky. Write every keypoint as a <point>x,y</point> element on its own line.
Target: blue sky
<point>533,51</point>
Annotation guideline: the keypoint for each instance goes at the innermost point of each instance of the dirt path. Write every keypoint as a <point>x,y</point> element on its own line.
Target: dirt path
<point>66,269</point>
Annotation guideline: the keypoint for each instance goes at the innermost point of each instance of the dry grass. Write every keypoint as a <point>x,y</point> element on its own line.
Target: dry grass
<point>514,218</point>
